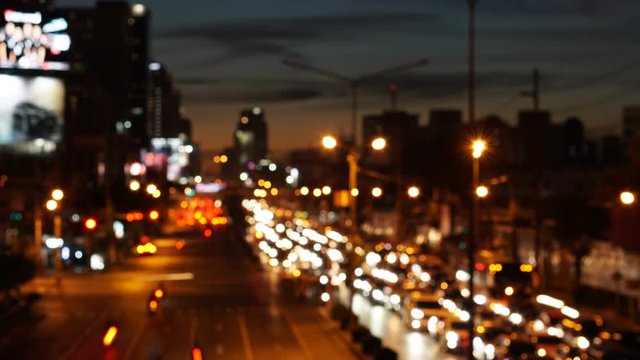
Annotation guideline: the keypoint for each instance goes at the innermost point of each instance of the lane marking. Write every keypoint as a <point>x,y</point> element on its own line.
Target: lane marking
<point>244,334</point>
<point>167,277</point>
<point>136,338</point>
<point>298,335</point>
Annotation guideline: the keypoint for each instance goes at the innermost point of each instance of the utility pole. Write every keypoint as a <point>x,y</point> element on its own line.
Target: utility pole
<point>472,60</point>
<point>393,93</point>
<point>534,93</point>
<point>536,90</point>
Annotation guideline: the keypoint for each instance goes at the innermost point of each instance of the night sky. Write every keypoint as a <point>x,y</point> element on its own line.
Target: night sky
<point>226,56</point>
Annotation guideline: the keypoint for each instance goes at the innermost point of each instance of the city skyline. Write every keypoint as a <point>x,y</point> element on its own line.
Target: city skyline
<point>583,50</point>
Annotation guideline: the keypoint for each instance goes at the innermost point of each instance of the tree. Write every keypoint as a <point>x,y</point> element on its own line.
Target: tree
<point>576,223</point>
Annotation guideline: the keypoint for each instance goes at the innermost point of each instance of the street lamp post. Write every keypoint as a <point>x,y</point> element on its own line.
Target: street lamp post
<point>354,84</point>
<point>478,147</point>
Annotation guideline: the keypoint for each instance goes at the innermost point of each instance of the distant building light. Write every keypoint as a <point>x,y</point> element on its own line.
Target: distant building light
<point>272,167</point>
<point>127,124</point>
<point>154,66</point>
<point>138,9</point>
<point>256,111</point>
<point>244,119</point>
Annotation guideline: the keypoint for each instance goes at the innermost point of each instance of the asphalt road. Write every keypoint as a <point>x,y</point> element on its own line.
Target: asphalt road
<point>217,298</point>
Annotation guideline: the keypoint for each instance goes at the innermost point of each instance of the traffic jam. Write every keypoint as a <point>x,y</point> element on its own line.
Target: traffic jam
<point>510,321</point>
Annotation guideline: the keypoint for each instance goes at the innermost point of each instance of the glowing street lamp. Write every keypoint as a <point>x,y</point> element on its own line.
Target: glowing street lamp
<point>627,198</point>
<point>329,142</point>
<point>482,191</point>
<point>51,205</point>
<point>478,146</point>
<point>376,192</point>
<point>134,185</point>
<point>57,194</point>
<point>413,192</point>
<point>379,143</point>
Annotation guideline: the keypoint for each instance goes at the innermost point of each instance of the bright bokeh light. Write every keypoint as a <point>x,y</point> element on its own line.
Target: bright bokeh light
<point>478,146</point>
<point>326,190</point>
<point>90,223</point>
<point>355,192</point>
<point>134,185</point>
<point>151,188</point>
<point>376,192</point>
<point>158,293</point>
<point>329,142</point>
<point>583,343</point>
<point>51,205</point>
<point>57,194</point>
<point>304,191</point>
<point>627,198</point>
<point>508,291</point>
<point>156,194</point>
<point>317,192</point>
<point>224,158</point>
<point>110,336</point>
<point>549,301</point>
<point>196,353</point>
<point>482,191</point>
<point>154,215</point>
<point>379,143</point>
<point>413,192</point>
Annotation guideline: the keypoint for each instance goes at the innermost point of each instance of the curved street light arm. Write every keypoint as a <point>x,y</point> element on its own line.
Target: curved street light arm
<point>319,71</point>
<point>395,69</point>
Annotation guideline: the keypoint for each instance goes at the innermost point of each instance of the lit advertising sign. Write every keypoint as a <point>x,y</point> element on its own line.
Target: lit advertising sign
<point>31,113</point>
<point>171,150</point>
<point>31,40</point>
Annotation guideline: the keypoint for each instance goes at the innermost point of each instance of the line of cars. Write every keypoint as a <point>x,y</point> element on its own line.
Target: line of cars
<point>509,321</point>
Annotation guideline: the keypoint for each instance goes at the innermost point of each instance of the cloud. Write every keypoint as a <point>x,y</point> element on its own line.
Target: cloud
<point>279,36</point>
<point>262,96</point>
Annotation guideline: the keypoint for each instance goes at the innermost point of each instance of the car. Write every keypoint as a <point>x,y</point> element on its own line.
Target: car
<point>552,346</point>
<point>422,310</point>
<point>146,248</point>
<point>456,335</point>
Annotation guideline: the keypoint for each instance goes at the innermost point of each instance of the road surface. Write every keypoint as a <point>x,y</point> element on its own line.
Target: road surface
<point>217,298</point>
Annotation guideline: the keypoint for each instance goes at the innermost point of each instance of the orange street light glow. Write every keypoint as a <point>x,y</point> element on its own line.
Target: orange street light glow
<point>57,194</point>
<point>158,293</point>
<point>379,143</point>
<point>627,198</point>
<point>90,223</point>
<point>153,305</point>
<point>52,205</point>
<point>482,191</point>
<point>329,142</point>
<point>110,336</point>
<point>478,146</point>
<point>196,353</point>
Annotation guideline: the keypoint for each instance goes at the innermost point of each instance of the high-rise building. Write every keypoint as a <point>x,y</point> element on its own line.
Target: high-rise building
<point>164,103</point>
<point>250,137</point>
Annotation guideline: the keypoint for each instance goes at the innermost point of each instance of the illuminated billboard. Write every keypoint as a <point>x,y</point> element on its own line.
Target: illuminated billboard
<point>169,152</point>
<point>31,113</point>
<point>33,40</point>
